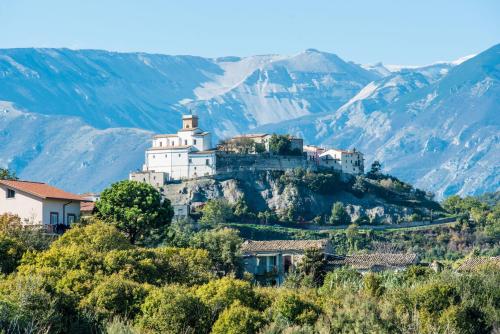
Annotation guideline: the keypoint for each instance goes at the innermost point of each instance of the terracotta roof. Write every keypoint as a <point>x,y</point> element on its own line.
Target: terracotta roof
<point>375,260</point>
<point>41,190</point>
<point>474,262</point>
<point>282,245</point>
<point>87,206</point>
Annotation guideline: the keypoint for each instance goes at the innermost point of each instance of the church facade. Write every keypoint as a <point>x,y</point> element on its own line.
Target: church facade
<point>184,155</point>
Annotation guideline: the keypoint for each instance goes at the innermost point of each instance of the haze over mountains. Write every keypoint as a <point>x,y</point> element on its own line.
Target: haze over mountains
<point>81,119</point>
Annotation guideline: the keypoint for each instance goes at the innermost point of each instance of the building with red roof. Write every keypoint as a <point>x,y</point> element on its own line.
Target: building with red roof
<point>38,203</point>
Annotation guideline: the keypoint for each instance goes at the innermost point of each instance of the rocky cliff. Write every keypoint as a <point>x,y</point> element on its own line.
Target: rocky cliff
<point>301,196</point>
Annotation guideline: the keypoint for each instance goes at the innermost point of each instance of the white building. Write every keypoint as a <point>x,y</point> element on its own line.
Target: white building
<point>38,203</point>
<point>351,162</point>
<point>184,155</point>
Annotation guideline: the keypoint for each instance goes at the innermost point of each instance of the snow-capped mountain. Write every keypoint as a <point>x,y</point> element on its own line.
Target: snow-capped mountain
<point>439,131</point>
<point>89,114</point>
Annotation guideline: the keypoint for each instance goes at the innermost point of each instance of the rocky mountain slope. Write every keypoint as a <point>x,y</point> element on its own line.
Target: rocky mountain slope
<point>438,133</point>
<point>436,125</point>
<point>296,197</point>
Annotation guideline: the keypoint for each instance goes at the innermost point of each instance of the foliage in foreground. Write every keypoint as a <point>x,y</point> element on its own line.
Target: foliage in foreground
<point>92,279</point>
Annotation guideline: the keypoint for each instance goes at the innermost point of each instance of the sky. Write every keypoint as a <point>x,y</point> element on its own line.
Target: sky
<point>394,32</point>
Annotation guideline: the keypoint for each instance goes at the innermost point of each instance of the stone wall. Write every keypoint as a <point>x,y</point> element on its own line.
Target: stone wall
<point>231,162</point>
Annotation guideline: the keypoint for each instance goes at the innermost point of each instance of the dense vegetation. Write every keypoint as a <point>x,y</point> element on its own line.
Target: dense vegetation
<point>93,279</point>
<point>129,269</point>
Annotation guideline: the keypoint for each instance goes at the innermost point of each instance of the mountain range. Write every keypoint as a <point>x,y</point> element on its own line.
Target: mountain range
<point>80,119</point>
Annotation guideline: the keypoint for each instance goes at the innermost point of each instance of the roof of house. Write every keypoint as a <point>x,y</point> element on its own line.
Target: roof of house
<point>87,206</point>
<point>474,262</point>
<point>41,190</point>
<point>282,245</point>
<point>373,260</point>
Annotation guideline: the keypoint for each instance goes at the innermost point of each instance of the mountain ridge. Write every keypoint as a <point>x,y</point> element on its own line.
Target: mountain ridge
<point>309,93</point>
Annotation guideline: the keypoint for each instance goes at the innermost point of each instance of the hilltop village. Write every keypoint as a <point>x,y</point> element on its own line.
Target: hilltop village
<point>189,154</point>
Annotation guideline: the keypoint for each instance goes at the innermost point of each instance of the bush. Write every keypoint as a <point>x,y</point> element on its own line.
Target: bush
<point>238,319</point>
<point>172,310</point>
<point>294,309</point>
<point>115,297</point>
<point>219,294</point>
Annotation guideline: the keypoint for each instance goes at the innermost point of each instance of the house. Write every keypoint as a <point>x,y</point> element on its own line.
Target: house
<point>87,209</point>
<point>350,162</point>
<point>474,263</point>
<point>313,152</point>
<point>184,155</point>
<point>269,261</point>
<point>38,203</point>
<point>374,261</point>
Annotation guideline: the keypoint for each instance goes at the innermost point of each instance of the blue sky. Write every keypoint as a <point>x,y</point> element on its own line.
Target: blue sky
<point>395,32</point>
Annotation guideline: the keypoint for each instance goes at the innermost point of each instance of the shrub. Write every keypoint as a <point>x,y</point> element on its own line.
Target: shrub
<point>114,297</point>
<point>238,319</point>
<point>172,310</point>
<point>295,309</point>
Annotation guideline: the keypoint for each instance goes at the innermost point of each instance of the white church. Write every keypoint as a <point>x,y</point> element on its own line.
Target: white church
<point>184,155</point>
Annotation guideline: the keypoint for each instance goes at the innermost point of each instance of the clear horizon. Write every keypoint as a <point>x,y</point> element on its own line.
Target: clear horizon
<point>362,31</point>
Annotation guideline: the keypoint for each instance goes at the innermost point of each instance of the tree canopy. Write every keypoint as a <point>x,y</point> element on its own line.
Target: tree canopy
<point>137,209</point>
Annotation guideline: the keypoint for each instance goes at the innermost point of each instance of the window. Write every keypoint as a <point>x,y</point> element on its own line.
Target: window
<point>207,162</point>
<point>11,193</point>
<point>190,160</point>
<point>161,143</point>
<point>166,155</point>
<point>71,218</point>
<point>185,142</point>
<point>153,156</point>
<point>54,218</point>
<point>194,141</point>
<point>179,155</point>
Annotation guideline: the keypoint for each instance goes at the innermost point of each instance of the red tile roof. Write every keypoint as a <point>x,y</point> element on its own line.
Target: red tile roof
<point>87,206</point>
<point>41,190</point>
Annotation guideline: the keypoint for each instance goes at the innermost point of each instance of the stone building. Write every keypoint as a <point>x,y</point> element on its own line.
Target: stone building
<point>269,261</point>
<point>350,162</point>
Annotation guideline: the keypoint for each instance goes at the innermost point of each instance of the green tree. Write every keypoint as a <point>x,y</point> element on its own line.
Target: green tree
<point>173,309</point>
<point>280,144</point>
<point>223,246</point>
<point>313,265</point>
<point>216,212</point>
<point>6,174</point>
<point>375,168</point>
<point>339,215</point>
<point>238,319</point>
<point>135,208</point>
